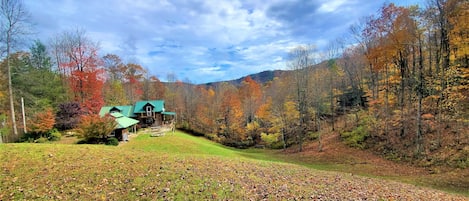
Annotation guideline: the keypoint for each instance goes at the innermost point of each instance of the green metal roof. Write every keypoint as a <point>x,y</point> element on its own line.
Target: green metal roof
<point>126,110</point>
<point>123,121</point>
<point>158,106</point>
<point>169,113</point>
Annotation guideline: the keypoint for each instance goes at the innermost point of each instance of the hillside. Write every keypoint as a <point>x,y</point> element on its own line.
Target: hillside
<point>262,77</point>
<point>180,167</point>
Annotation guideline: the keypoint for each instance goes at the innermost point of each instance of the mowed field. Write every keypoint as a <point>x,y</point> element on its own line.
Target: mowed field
<point>181,167</point>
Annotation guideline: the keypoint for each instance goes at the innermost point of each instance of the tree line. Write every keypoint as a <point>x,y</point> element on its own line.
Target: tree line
<point>398,84</point>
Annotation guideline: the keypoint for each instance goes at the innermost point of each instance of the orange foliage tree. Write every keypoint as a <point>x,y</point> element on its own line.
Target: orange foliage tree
<point>43,122</point>
<point>231,115</point>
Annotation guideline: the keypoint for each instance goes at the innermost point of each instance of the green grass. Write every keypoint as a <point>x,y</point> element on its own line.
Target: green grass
<point>173,167</point>
<point>180,143</point>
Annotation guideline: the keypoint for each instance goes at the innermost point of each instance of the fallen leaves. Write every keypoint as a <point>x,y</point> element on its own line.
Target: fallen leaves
<point>90,172</point>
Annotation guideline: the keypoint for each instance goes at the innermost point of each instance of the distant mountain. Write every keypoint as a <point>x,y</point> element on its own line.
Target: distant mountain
<point>262,77</point>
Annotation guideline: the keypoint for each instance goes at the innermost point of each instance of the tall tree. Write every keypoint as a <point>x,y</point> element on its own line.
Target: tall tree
<point>80,65</point>
<point>39,58</point>
<point>14,25</point>
<point>301,61</point>
<point>113,66</point>
<point>113,90</point>
<point>250,94</point>
<point>134,75</point>
<point>231,115</point>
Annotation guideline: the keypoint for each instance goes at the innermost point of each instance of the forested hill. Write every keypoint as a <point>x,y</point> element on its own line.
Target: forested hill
<point>262,77</point>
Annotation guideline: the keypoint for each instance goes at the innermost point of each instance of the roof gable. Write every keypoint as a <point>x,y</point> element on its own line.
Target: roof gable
<point>123,121</point>
<point>158,106</point>
<point>126,110</point>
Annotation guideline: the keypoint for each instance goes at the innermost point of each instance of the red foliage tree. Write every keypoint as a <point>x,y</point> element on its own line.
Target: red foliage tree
<point>86,78</point>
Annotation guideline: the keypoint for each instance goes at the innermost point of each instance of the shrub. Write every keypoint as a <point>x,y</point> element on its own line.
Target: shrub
<point>272,140</point>
<point>41,140</point>
<point>94,126</point>
<point>54,135</point>
<point>43,122</point>
<point>313,135</point>
<point>29,137</point>
<point>356,137</point>
<point>112,141</point>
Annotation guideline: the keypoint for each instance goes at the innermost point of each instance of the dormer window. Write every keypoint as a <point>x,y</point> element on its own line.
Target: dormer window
<point>114,109</point>
<point>148,110</point>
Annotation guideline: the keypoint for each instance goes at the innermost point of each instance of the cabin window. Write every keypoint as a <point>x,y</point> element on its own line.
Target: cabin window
<point>149,120</point>
<point>148,109</point>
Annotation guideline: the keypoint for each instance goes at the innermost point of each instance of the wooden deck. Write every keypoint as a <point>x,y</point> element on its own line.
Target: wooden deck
<point>158,131</point>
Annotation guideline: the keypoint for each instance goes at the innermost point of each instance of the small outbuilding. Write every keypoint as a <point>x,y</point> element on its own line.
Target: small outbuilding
<point>123,125</point>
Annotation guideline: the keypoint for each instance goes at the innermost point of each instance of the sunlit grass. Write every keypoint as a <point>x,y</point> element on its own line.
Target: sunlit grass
<point>172,167</point>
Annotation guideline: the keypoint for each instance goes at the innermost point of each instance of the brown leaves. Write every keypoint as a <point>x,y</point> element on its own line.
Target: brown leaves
<point>83,172</point>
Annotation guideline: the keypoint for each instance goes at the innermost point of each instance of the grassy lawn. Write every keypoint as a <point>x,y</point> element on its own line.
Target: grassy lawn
<point>179,167</point>
<point>183,144</point>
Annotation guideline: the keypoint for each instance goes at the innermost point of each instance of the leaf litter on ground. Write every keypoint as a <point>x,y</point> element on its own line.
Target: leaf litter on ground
<point>94,172</point>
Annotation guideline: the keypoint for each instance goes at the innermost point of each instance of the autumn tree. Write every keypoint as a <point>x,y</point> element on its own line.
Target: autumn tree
<point>80,65</point>
<point>156,88</point>
<point>230,116</point>
<point>334,75</point>
<point>113,90</point>
<point>94,128</point>
<point>43,122</point>
<point>204,118</point>
<point>301,61</point>
<point>250,94</point>
<point>284,122</point>
<point>133,76</point>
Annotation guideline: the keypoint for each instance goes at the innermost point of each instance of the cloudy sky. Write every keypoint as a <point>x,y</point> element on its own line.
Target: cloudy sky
<point>203,40</point>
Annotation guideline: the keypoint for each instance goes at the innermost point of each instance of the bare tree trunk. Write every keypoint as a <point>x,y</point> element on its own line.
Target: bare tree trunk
<point>23,115</point>
<point>420,97</point>
<point>386,101</point>
<point>10,88</point>
<point>318,122</point>
<point>15,17</point>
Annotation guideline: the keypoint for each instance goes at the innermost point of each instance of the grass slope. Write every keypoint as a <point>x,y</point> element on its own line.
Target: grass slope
<point>179,167</point>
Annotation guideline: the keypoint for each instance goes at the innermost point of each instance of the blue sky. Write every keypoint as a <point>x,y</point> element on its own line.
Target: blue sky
<point>203,41</point>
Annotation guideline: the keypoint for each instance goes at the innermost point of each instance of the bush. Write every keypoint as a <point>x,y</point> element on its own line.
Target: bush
<point>54,135</point>
<point>356,137</point>
<point>272,140</point>
<point>313,135</point>
<point>41,140</point>
<point>94,126</point>
<point>28,137</point>
<point>112,141</point>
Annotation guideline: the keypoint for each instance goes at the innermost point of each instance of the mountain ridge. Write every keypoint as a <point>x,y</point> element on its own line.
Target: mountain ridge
<point>261,77</point>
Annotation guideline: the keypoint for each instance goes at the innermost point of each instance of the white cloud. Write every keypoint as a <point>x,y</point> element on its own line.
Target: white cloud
<point>202,40</point>
<point>331,5</point>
